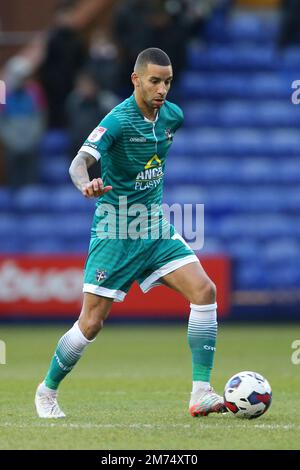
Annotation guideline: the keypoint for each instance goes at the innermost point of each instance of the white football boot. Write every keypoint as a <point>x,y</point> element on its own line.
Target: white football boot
<point>204,402</point>
<point>46,403</point>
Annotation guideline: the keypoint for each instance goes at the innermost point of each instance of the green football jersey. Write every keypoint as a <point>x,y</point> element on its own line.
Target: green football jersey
<point>133,153</point>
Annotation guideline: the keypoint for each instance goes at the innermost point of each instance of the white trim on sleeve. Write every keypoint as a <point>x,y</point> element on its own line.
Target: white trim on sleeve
<point>91,151</point>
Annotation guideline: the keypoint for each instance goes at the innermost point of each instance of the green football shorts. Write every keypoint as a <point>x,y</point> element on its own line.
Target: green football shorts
<point>113,265</point>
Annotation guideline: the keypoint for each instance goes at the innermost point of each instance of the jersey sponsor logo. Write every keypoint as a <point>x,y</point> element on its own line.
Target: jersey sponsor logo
<point>97,134</point>
<point>138,139</point>
<point>155,160</point>
<point>151,176</point>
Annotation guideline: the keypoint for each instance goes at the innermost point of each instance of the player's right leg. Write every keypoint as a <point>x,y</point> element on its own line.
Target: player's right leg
<point>95,310</point>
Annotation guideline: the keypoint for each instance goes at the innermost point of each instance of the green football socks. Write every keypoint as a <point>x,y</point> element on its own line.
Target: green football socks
<point>68,352</point>
<point>202,333</point>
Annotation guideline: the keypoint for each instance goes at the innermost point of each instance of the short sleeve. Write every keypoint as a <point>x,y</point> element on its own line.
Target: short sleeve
<point>102,137</point>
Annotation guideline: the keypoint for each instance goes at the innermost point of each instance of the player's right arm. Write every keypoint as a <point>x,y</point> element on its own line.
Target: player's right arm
<point>99,141</point>
<point>80,177</point>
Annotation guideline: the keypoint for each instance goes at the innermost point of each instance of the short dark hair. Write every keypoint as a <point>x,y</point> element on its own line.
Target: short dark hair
<point>152,55</point>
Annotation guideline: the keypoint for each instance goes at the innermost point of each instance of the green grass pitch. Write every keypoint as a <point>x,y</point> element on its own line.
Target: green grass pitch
<point>131,390</point>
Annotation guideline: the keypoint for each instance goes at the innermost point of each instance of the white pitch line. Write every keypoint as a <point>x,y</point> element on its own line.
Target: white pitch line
<point>145,426</point>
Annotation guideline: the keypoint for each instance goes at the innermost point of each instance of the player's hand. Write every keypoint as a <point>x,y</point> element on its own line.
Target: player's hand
<point>94,188</point>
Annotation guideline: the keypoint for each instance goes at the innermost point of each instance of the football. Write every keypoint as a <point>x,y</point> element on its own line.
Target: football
<point>247,395</point>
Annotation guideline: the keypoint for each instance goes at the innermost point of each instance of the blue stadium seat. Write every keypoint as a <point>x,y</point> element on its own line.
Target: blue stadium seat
<point>284,142</point>
<point>227,170</point>
<point>214,170</point>
<point>240,142</point>
<point>277,114</point>
<point>6,199</point>
<point>236,142</point>
<point>289,170</point>
<point>12,244</point>
<point>260,227</point>
<point>239,113</point>
<point>9,225</point>
<point>250,275</point>
<point>213,85</point>
<point>228,57</point>
<point>201,113</point>
<point>10,233</point>
<point>243,27</point>
<point>63,227</point>
<point>290,58</point>
<point>40,226</point>
<point>74,226</point>
<point>291,199</point>
<point>245,85</point>
<point>282,249</point>
<point>69,200</point>
<point>181,170</point>
<point>267,114</point>
<point>45,246</point>
<point>35,198</point>
<point>256,170</point>
<point>269,86</point>
<point>77,246</point>
<point>284,275</point>
<point>212,246</point>
<point>244,249</point>
<point>55,170</point>
<point>55,142</point>
<point>184,194</point>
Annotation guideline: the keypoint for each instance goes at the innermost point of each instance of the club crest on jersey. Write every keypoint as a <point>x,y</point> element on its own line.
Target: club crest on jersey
<point>101,274</point>
<point>169,135</point>
<point>97,133</point>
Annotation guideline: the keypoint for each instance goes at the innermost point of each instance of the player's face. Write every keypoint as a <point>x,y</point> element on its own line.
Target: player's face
<point>153,84</point>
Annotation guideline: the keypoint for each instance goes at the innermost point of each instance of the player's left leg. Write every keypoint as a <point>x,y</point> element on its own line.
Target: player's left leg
<point>194,284</point>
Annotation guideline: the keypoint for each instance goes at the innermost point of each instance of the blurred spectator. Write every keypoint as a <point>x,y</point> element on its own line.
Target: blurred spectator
<point>21,123</point>
<point>104,61</point>
<point>290,22</point>
<point>151,23</point>
<point>85,107</point>
<point>64,56</point>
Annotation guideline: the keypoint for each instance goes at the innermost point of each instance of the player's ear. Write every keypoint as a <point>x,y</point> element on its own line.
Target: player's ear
<point>135,79</point>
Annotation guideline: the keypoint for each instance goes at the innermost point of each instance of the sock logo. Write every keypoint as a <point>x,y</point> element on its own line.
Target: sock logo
<point>209,348</point>
<point>66,368</point>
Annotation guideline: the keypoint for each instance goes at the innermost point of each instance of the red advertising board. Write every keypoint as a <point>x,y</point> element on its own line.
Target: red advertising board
<point>51,287</point>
